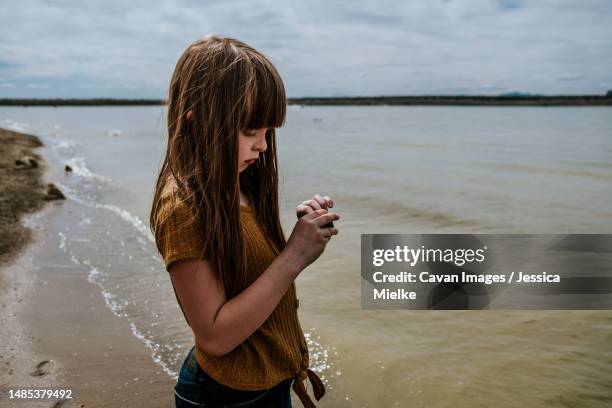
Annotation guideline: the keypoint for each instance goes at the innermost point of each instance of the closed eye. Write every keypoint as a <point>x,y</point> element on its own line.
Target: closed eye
<point>253,132</point>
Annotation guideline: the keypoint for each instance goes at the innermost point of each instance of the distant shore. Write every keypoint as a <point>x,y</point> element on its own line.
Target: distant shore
<point>429,100</point>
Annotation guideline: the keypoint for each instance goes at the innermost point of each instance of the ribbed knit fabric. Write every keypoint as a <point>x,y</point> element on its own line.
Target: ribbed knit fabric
<point>277,350</point>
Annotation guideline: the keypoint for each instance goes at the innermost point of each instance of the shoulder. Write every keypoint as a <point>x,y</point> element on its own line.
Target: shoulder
<point>177,234</point>
<point>171,208</point>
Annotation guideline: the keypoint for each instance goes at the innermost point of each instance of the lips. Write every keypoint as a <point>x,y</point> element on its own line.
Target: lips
<point>250,161</point>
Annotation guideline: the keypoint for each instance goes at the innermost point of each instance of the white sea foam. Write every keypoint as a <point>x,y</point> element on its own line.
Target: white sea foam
<point>124,214</point>
<point>14,125</point>
<point>129,217</point>
<point>114,306</point>
<point>319,361</point>
<point>62,243</point>
<point>79,167</point>
<point>64,143</point>
<point>64,147</point>
<point>85,221</point>
<point>93,275</point>
<point>154,347</point>
<point>118,308</point>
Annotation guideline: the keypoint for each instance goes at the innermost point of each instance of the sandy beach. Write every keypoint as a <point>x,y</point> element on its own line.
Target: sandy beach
<point>57,331</point>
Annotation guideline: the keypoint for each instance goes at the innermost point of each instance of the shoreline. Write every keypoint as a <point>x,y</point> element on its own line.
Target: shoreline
<point>58,332</point>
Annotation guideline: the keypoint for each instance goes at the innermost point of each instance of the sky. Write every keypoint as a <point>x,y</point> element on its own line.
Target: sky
<point>128,49</point>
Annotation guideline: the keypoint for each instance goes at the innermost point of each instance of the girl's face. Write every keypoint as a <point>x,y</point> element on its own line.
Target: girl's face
<point>251,143</point>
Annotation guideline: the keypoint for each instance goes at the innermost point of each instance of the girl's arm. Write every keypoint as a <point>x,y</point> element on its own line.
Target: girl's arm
<point>221,325</point>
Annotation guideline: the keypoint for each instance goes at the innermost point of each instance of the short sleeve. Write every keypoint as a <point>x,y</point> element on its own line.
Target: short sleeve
<point>176,233</point>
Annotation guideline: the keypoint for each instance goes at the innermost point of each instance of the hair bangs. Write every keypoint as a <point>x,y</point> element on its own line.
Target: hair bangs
<point>265,103</point>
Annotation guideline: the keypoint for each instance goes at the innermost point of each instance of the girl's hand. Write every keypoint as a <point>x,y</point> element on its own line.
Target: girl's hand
<point>308,239</point>
<point>317,202</point>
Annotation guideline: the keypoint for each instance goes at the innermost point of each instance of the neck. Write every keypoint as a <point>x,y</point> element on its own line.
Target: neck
<point>244,199</point>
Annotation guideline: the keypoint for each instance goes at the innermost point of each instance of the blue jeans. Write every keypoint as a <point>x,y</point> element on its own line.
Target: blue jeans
<point>195,388</point>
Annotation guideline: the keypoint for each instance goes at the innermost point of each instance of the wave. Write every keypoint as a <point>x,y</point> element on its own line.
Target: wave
<point>118,305</point>
<point>15,126</point>
<point>79,167</point>
<point>65,144</point>
<point>64,150</point>
<point>134,220</point>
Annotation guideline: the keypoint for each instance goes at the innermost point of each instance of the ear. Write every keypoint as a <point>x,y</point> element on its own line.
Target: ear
<point>189,114</point>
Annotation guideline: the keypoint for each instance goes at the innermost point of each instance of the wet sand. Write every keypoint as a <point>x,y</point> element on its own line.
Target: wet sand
<point>21,191</point>
<point>57,332</point>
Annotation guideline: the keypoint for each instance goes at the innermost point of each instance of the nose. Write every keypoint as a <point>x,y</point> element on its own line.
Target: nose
<point>261,142</point>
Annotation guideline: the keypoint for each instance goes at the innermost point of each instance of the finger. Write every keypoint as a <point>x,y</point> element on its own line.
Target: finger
<point>315,214</point>
<point>326,218</point>
<point>329,201</point>
<point>313,204</point>
<point>304,209</point>
<point>319,198</point>
<point>330,232</point>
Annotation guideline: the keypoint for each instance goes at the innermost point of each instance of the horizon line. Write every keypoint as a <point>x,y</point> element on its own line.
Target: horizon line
<point>510,98</point>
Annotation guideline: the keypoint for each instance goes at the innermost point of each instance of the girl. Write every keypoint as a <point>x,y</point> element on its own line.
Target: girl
<point>215,218</point>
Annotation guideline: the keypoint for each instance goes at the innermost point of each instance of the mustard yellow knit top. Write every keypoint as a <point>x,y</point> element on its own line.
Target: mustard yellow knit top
<point>277,350</point>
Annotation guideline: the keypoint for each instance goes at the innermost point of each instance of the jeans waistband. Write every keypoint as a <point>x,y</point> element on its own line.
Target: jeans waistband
<point>191,363</point>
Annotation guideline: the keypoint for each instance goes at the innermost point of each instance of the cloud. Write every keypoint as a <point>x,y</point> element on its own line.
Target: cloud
<point>119,49</point>
<point>570,76</point>
<point>36,86</point>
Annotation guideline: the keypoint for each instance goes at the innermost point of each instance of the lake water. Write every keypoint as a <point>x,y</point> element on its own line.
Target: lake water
<point>389,170</point>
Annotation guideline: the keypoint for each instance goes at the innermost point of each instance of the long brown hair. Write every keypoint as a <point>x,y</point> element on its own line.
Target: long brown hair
<point>228,86</point>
